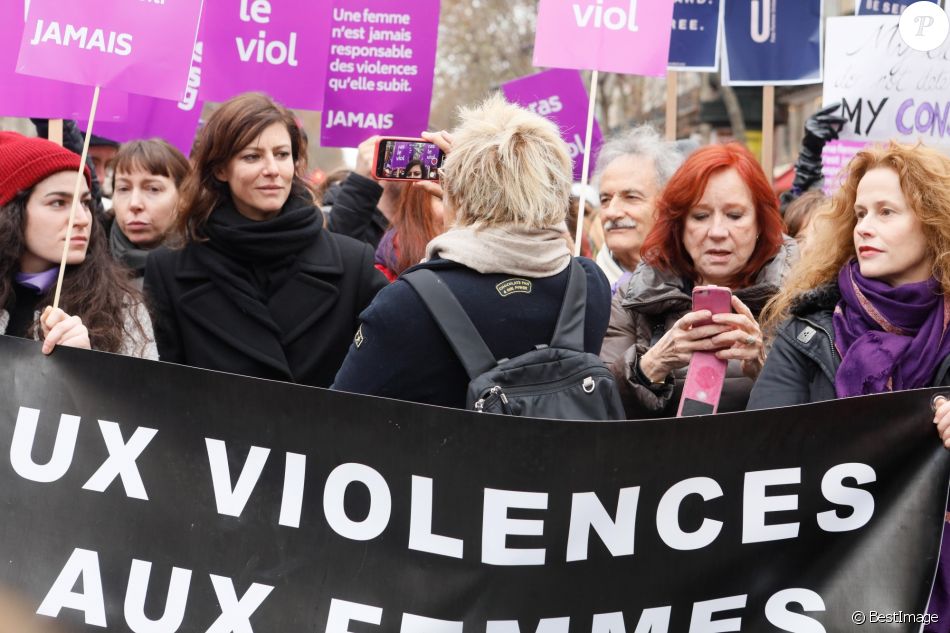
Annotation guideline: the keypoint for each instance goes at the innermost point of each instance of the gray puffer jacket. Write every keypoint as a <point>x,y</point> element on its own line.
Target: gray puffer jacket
<point>652,303</point>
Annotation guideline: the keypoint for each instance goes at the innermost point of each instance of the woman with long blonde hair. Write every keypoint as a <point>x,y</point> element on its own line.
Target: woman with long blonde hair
<point>866,311</point>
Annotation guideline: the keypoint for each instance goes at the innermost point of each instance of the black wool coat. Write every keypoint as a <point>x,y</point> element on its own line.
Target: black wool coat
<point>317,310</point>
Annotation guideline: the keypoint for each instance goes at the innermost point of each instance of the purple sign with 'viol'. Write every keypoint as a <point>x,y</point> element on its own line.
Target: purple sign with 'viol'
<point>142,46</point>
<point>381,62</point>
<point>619,36</point>
<point>560,96</point>
<point>274,46</point>
<point>402,154</point>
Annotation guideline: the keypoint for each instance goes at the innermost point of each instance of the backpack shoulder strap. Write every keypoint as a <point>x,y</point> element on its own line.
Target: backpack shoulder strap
<point>453,321</point>
<point>569,331</point>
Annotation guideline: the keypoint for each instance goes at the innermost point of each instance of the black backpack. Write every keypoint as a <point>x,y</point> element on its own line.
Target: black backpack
<point>559,380</point>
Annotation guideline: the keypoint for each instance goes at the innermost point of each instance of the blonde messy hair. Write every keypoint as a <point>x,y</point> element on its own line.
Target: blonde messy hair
<point>925,182</point>
<point>507,166</point>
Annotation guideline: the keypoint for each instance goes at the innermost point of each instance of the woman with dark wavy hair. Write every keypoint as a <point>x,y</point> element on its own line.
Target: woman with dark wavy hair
<point>717,224</point>
<point>259,288</point>
<point>99,307</point>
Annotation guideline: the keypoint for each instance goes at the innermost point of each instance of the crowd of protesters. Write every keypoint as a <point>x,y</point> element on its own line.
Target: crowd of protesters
<point>249,270</point>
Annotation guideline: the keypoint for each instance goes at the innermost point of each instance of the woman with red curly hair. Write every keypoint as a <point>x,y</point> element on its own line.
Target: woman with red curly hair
<point>717,223</point>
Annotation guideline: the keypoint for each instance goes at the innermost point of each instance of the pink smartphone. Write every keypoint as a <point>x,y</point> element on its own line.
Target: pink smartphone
<point>706,373</point>
<point>716,299</point>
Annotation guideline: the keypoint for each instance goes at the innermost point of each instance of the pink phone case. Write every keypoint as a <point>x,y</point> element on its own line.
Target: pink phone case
<point>706,373</point>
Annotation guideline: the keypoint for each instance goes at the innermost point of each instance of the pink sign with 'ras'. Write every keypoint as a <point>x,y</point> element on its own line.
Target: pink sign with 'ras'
<point>274,46</point>
<point>141,46</point>
<point>560,96</point>
<point>620,36</point>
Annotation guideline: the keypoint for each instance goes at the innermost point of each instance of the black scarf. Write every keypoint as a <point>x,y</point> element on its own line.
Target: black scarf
<point>126,252</point>
<point>250,260</point>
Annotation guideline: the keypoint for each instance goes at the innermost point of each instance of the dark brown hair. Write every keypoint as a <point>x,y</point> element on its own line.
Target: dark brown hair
<point>154,156</point>
<point>236,124</point>
<point>98,290</point>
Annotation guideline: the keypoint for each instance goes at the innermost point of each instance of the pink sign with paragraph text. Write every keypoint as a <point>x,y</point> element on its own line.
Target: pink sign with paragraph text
<point>619,36</point>
<point>141,46</point>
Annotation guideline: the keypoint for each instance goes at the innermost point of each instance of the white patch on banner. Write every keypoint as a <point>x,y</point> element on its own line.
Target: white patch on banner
<point>548,625</point>
<point>82,566</point>
<point>291,504</point>
<point>702,619</point>
<point>587,512</point>
<point>756,504</point>
<point>496,526</point>
<point>231,501</point>
<point>667,514</point>
<point>861,501</point>
<point>380,504</point>
<point>24,436</point>
<point>121,460</point>
<point>135,598</point>
<point>419,624</point>
<point>236,613</point>
<point>421,537</point>
<point>343,612</point>
<point>777,613</point>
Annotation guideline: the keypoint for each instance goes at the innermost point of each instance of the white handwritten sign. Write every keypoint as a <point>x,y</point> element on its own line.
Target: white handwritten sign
<point>887,90</point>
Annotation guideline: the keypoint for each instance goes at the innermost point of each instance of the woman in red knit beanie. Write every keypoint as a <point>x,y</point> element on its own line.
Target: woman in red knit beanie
<point>99,307</point>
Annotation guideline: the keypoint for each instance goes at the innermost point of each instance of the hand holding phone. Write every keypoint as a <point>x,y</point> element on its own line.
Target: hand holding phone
<point>716,299</point>
<point>706,373</point>
<point>407,159</point>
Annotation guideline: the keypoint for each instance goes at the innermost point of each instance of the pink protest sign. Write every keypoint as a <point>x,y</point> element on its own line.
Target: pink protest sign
<point>619,36</point>
<point>834,161</point>
<point>278,47</point>
<point>176,122</point>
<point>381,63</point>
<point>25,96</point>
<point>142,46</point>
<point>560,96</point>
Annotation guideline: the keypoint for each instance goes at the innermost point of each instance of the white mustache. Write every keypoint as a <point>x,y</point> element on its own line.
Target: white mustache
<point>622,223</point>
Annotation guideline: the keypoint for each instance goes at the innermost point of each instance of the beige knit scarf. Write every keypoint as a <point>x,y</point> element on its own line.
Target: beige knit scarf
<point>510,250</point>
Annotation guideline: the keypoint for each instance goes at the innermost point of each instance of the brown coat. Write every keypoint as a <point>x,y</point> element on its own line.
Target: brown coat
<point>652,303</point>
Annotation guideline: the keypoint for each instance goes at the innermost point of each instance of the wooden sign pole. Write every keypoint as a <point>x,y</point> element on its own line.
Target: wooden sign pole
<point>672,105</point>
<point>75,202</point>
<point>579,233</point>
<point>55,131</point>
<point>768,132</point>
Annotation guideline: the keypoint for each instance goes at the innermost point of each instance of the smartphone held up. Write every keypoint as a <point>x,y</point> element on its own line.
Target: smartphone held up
<point>407,159</point>
<point>706,373</point>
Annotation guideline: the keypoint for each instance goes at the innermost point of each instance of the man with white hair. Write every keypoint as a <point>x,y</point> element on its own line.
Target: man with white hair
<point>632,168</point>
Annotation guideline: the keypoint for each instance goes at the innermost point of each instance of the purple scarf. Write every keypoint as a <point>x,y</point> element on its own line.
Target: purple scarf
<point>40,282</point>
<point>890,339</point>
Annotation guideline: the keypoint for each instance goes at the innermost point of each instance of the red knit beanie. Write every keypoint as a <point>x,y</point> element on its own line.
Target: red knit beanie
<point>25,161</point>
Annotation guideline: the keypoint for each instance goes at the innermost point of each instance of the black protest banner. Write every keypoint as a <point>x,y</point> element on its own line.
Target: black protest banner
<point>141,496</point>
